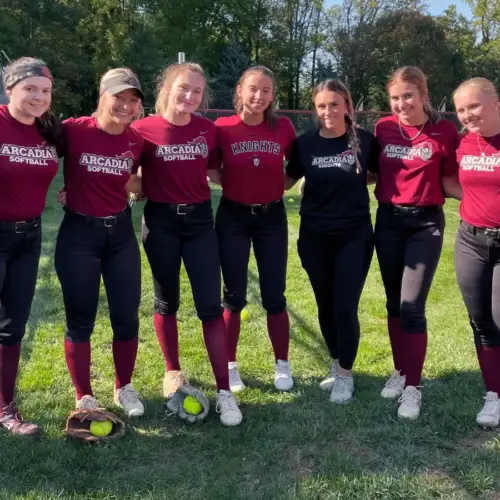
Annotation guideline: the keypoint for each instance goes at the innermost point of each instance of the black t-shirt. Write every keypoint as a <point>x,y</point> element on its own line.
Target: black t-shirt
<point>335,196</point>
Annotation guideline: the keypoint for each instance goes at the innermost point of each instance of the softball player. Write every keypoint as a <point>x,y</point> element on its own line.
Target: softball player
<point>180,148</point>
<point>417,160</point>
<point>29,136</point>
<point>253,144</point>
<point>336,234</point>
<point>96,237</point>
<point>477,248</point>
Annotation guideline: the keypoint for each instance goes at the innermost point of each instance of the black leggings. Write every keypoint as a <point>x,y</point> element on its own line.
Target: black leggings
<point>87,249</point>
<point>337,267</point>
<point>173,233</point>
<point>20,248</point>
<point>240,226</point>
<point>408,249</point>
<point>477,265</point>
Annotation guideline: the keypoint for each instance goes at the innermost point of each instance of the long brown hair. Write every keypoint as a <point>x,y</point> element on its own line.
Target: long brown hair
<point>415,76</point>
<point>269,114</point>
<point>352,135</point>
<point>48,125</point>
<point>167,78</point>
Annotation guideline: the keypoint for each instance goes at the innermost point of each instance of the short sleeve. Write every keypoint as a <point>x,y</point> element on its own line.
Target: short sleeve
<point>290,136</point>
<point>450,164</point>
<point>294,168</point>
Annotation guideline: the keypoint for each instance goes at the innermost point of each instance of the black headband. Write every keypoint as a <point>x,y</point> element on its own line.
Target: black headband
<point>15,75</point>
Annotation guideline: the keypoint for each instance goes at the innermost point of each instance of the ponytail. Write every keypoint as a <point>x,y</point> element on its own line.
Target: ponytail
<point>352,136</point>
<point>50,128</point>
<point>434,116</point>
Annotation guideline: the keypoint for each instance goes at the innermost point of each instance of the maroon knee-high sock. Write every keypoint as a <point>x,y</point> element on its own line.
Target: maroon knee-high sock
<point>233,324</point>
<point>278,327</point>
<point>78,362</point>
<point>168,338</point>
<point>9,363</point>
<point>124,355</point>
<point>215,336</point>
<point>396,338</point>
<point>415,348</point>
<point>489,361</point>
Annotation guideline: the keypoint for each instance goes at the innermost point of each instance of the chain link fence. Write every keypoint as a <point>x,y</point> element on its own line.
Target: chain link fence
<point>304,120</point>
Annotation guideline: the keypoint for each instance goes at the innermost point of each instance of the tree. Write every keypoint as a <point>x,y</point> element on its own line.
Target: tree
<point>233,62</point>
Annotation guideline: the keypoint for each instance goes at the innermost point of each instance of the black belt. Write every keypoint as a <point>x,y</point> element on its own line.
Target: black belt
<point>21,226</point>
<point>412,210</point>
<point>181,208</point>
<point>490,232</point>
<point>109,221</point>
<point>256,208</point>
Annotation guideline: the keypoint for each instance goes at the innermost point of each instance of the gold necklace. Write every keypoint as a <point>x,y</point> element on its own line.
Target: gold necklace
<point>410,138</point>
<point>483,153</point>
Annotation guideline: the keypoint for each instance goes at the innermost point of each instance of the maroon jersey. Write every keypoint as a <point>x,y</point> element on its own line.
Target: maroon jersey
<point>252,158</point>
<point>410,171</point>
<point>176,159</point>
<point>479,174</point>
<point>27,166</point>
<point>97,166</point>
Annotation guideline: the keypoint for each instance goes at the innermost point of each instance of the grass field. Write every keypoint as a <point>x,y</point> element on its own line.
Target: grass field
<point>290,446</point>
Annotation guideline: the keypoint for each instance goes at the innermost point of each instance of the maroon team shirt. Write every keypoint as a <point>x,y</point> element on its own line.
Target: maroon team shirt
<point>27,166</point>
<point>97,166</point>
<point>176,159</point>
<point>252,159</point>
<point>410,172</point>
<point>479,175</point>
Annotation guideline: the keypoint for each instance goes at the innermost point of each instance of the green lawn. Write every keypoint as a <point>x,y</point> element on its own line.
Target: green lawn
<point>295,445</point>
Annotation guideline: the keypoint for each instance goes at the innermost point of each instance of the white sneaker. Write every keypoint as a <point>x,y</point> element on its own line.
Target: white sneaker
<point>283,380</point>
<point>128,399</point>
<point>235,382</point>
<point>489,416</point>
<point>227,406</point>
<point>395,386</point>
<point>343,389</point>
<point>327,383</point>
<point>87,402</point>
<point>411,401</point>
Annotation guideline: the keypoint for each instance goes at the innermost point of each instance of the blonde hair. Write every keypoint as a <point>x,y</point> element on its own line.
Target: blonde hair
<point>352,135</point>
<point>415,76</point>
<point>166,80</point>
<point>110,74</point>
<point>483,85</point>
<point>269,115</point>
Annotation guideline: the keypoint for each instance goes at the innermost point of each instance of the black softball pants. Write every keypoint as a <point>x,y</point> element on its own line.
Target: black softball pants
<point>337,266</point>
<point>265,227</point>
<point>20,247</point>
<point>86,248</point>
<point>477,265</point>
<point>408,243</point>
<point>172,233</point>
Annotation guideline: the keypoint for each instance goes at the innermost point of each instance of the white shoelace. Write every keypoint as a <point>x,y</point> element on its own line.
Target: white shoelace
<point>491,404</point>
<point>234,375</point>
<point>411,397</point>
<point>129,395</point>
<point>394,380</point>
<point>340,383</point>
<point>87,403</point>
<point>283,371</point>
<point>226,401</point>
